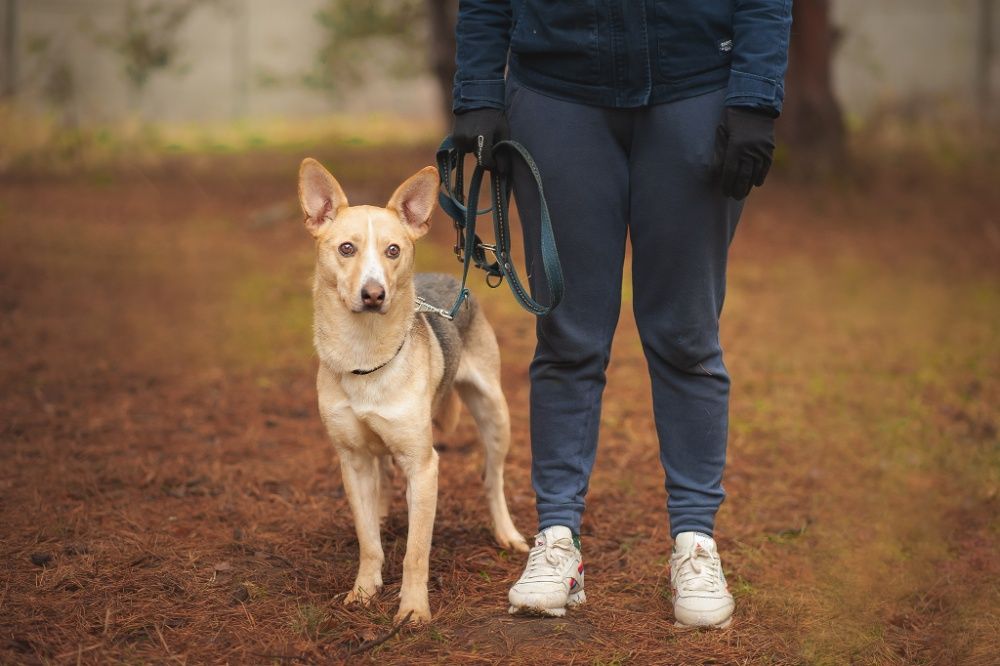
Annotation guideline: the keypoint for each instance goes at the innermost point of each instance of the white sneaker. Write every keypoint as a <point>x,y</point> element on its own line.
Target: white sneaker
<point>701,595</point>
<point>552,579</point>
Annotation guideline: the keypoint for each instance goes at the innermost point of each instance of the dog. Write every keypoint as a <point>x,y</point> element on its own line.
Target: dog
<point>387,373</point>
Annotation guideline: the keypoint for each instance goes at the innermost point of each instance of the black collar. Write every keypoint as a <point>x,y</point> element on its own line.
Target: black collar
<point>379,367</point>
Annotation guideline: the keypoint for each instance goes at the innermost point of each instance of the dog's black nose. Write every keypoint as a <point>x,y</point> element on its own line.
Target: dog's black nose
<point>372,294</point>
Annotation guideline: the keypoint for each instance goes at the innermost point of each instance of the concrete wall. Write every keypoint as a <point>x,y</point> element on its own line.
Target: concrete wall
<point>235,58</point>
<point>248,58</point>
<point>911,53</point>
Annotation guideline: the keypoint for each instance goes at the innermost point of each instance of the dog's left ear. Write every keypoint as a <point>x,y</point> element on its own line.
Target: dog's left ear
<point>414,201</point>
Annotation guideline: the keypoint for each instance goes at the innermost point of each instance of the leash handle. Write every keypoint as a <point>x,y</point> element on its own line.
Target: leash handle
<point>453,202</point>
<point>468,246</point>
<point>551,265</point>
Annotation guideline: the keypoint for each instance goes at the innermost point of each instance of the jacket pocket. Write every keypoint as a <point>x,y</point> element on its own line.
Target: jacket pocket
<point>693,36</point>
<point>557,38</point>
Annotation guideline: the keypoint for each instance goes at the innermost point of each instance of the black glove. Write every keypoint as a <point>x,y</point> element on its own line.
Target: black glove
<point>744,149</point>
<point>489,123</point>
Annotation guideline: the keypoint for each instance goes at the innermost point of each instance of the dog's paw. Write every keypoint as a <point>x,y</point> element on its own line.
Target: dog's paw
<point>521,546</point>
<point>361,595</point>
<point>514,542</point>
<point>413,615</point>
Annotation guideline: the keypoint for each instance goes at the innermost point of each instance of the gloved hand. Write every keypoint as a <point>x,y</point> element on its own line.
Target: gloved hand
<point>489,123</point>
<point>744,149</point>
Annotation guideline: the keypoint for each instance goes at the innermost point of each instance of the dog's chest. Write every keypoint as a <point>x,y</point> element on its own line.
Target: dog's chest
<point>383,399</point>
<point>371,412</point>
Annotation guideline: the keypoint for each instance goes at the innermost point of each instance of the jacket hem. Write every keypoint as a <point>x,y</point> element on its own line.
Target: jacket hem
<point>659,93</point>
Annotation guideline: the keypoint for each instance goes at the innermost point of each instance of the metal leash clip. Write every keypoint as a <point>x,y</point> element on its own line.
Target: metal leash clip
<point>424,306</point>
<point>493,281</point>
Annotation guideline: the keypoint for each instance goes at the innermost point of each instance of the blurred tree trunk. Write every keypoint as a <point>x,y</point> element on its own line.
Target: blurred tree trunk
<point>984,58</point>
<point>812,124</point>
<point>443,14</point>
<point>9,49</point>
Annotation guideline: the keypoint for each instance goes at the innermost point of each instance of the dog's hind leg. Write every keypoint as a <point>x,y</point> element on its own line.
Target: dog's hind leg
<point>478,384</point>
<point>446,418</point>
<point>360,472</point>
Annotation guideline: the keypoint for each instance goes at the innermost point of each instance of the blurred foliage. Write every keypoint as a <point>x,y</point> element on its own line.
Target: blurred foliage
<point>52,71</point>
<point>60,86</point>
<point>148,41</point>
<point>388,34</point>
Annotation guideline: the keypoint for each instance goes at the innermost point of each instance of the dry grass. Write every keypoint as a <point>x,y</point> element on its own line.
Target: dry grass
<point>161,459</point>
<point>39,142</point>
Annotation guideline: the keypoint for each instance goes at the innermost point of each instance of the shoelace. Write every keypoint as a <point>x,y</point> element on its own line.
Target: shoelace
<point>699,570</point>
<point>548,555</point>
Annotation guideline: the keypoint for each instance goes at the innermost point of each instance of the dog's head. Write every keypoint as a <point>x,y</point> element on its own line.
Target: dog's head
<point>365,251</point>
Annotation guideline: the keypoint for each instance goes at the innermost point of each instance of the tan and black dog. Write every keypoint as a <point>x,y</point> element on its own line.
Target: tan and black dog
<point>387,373</point>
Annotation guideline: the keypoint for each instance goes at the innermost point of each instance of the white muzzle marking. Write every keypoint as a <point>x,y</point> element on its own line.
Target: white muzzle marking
<point>372,268</point>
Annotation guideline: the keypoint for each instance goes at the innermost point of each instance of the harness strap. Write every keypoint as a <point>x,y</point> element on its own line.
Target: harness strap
<point>469,246</point>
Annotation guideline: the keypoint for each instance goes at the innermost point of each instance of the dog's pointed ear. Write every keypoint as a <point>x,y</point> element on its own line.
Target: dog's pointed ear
<point>414,201</point>
<point>320,195</point>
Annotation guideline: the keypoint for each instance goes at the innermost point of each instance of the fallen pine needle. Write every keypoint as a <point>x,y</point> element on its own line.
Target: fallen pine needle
<point>368,645</point>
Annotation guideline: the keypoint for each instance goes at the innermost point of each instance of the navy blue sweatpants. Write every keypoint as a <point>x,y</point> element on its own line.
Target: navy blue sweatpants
<point>645,172</point>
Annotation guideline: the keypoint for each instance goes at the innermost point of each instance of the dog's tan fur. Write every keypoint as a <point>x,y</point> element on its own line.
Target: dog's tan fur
<point>386,415</point>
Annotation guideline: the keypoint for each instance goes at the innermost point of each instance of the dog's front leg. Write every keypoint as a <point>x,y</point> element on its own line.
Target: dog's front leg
<point>360,471</point>
<point>384,486</point>
<point>420,464</point>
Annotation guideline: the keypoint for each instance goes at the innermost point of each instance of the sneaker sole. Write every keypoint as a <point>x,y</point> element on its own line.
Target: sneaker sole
<point>573,601</point>
<point>721,625</point>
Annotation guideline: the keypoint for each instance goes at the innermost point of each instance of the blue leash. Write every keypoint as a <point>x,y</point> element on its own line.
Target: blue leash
<point>470,248</point>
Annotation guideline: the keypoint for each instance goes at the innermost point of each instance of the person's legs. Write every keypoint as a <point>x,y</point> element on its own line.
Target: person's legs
<point>581,153</point>
<point>681,226</point>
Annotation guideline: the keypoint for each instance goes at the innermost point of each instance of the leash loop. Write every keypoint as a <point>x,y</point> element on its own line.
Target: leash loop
<point>470,248</point>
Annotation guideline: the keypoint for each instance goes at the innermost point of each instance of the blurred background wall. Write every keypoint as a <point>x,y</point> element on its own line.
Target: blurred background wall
<point>97,61</point>
<point>177,60</point>
<point>920,55</point>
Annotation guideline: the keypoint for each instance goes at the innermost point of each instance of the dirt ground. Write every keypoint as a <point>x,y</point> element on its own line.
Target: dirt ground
<point>167,493</point>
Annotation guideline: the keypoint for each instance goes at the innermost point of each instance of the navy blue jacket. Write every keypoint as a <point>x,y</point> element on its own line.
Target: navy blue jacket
<point>623,53</point>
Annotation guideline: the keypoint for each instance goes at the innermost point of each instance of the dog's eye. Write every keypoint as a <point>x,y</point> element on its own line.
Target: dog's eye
<point>347,249</point>
<point>392,251</point>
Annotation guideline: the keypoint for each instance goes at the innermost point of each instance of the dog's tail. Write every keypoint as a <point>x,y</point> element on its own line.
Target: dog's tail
<point>446,419</point>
